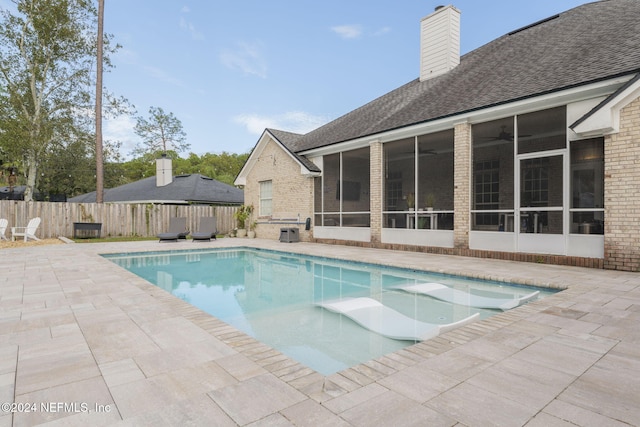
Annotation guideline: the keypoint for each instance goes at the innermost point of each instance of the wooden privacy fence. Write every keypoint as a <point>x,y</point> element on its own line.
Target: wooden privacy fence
<point>118,219</point>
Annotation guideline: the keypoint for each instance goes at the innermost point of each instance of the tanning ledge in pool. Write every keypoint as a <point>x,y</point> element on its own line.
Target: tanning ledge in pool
<point>454,296</point>
<point>376,317</point>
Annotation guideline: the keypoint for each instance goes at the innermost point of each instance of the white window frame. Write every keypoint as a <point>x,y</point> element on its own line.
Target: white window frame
<point>266,198</point>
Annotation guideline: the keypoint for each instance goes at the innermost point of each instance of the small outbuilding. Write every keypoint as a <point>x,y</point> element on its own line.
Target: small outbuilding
<point>165,188</point>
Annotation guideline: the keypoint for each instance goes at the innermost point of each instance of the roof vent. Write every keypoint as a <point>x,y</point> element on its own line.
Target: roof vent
<point>439,42</point>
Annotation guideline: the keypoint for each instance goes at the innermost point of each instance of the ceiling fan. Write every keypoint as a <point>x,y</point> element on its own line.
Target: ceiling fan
<point>426,151</point>
<point>421,152</point>
<point>503,135</point>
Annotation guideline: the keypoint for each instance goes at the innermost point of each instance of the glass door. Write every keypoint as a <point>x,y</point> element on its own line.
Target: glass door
<point>540,213</point>
<point>540,181</point>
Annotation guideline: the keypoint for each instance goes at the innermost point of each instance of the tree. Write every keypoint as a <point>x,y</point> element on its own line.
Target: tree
<point>223,167</point>
<point>66,170</point>
<point>162,132</point>
<point>70,170</point>
<point>47,54</point>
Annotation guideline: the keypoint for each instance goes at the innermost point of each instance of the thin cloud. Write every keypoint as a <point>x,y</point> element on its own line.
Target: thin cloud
<point>382,31</point>
<point>127,56</point>
<point>187,26</point>
<point>247,57</point>
<point>163,76</point>
<point>191,29</point>
<point>348,31</point>
<point>292,121</point>
<point>120,129</point>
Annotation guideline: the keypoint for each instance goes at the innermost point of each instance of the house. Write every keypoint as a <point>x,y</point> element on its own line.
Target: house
<point>165,188</point>
<point>526,148</point>
<point>14,192</point>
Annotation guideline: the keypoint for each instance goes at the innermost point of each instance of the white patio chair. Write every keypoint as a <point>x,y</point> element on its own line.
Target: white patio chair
<point>3,228</point>
<point>29,232</point>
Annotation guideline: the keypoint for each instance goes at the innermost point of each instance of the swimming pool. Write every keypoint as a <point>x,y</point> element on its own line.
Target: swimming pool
<point>273,296</point>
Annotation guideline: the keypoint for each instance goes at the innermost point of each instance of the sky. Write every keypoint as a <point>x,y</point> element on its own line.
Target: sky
<point>229,69</point>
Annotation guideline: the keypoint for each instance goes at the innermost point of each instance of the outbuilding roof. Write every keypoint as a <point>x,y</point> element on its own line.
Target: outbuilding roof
<point>193,188</point>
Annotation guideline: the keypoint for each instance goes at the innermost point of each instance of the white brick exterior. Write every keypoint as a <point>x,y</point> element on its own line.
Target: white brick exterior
<point>462,184</point>
<point>292,191</point>
<point>622,192</point>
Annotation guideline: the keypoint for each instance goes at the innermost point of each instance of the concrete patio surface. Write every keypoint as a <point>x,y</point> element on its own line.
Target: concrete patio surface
<point>84,342</point>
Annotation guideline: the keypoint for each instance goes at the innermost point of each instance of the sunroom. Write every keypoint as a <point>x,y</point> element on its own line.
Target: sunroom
<point>533,187</point>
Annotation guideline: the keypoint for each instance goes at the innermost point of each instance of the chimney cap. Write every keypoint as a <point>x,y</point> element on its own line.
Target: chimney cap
<point>438,8</point>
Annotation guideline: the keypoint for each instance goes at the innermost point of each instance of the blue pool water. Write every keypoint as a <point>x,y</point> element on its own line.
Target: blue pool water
<point>272,297</point>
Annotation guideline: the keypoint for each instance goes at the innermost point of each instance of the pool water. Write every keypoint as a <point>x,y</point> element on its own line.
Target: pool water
<point>272,297</point>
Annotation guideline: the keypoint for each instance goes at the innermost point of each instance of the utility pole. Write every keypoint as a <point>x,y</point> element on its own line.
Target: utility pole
<point>99,151</point>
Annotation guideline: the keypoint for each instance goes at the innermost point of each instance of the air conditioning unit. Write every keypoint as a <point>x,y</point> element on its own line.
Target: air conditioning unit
<point>289,235</point>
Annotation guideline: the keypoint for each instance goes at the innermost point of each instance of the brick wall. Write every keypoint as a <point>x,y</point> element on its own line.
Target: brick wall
<point>376,190</point>
<point>622,192</point>
<point>292,192</point>
<point>462,185</point>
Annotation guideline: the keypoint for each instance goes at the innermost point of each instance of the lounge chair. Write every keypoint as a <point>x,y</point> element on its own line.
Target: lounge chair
<point>376,317</point>
<point>28,232</point>
<point>3,228</point>
<point>177,230</point>
<point>455,296</point>
<point>207,229</point>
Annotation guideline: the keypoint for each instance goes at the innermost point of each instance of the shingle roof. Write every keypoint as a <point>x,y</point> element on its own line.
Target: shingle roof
<point>184,188</point>
<point>589,43</point>
<point>290,141</point>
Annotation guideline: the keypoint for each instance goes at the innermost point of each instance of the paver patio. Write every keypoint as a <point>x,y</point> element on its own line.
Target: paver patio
<point>84,342</point>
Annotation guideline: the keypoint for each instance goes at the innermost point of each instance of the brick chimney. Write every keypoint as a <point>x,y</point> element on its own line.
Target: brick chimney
<point>439,42</point>
<point>164,171</point>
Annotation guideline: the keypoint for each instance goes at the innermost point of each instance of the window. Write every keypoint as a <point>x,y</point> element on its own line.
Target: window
<point>587,186</point>
<point>487,190</point>
<point>342,194</point>
<point>535,182</point>
<point>543,130</point>
<point>399,181</point>
<point>493,175</point>
<point>394,189</point>
<point>418,182</point>
<point>266,198</point>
